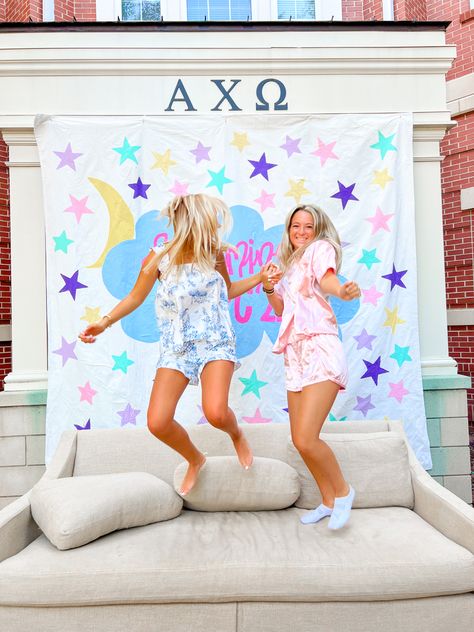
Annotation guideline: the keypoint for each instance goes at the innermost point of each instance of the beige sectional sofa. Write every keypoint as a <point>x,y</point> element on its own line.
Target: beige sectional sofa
<point>404,562</point>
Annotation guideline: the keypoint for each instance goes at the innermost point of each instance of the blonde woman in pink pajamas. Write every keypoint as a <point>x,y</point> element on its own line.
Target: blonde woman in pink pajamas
<point>315,365</point>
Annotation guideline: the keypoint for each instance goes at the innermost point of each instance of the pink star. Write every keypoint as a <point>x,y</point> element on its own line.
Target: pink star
<point>257,418</point>
<point>78,207</point>
<point>265,200</point>
<point>379,220</point>
<point>87,393</point>
<point>398,391</point>
<point>67,158</point>
<point>179,188</point>
<point>325,151</point>
<point>371,295</point>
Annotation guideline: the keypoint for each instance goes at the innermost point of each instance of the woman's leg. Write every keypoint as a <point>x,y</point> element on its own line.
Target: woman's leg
<point>215,381</point>
<point>168,387</point>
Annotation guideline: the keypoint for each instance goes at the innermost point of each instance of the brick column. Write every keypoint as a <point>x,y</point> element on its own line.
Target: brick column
<point>5,273</point>
<point>411,10</point>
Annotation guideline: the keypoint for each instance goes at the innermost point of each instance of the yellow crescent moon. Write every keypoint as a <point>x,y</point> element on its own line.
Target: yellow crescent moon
<point>122,224</point>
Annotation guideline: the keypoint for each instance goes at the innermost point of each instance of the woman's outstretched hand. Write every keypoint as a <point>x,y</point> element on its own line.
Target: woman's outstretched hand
<point>91,332</point>
<point>349,291</point>
<point>270,274</point>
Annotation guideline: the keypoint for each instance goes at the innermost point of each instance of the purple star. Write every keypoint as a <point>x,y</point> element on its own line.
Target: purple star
<point>345,194</point>
<point>374,370</point>
<point>201,152</point>
<point>128,415</point>
<point>139,189</point>
<point>66,350</point>
<point>71,284</point>
<point>87,425</point>
<point>67,158</point>
<point>364,340</point>
<point>291,146</point>
<point>261,167</point>
<point>395,277</point>
<point>364,405</point>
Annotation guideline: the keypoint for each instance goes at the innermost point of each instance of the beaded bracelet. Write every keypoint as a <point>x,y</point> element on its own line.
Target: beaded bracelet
<point>268,291</point>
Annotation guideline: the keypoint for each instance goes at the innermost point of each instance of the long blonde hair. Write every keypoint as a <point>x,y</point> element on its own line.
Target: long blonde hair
<point>323,229</point>
<point>198,221</point>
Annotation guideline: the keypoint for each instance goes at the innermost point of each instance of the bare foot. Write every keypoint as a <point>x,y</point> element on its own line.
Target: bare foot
<point>244,451</point>
<point>191,476</point>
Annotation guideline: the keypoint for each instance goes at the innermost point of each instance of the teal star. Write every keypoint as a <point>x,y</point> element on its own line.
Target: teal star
<point>218,179</point>
<point>121,362</point>
<point>127,151</point>
<point>369,258</point>
<point>384,144</point>
<point>61,242</point>
<point>252,384</point>
<point>332,418</point>
<point>401,355</point>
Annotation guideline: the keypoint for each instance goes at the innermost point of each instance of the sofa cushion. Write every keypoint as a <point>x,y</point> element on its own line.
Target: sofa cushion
<point>74,511</point>
<point>375,464</point>
<point>224,485</point>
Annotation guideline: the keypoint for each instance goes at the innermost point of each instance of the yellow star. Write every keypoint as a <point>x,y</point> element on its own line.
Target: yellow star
<point>240,140</point>
<point>392,319</point>
<point>382,178</point>
<point>297,189</point>
<point>91,314</point>
<point>163,161</point>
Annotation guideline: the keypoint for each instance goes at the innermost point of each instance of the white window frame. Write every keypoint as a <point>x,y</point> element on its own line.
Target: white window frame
<point>323,10</point>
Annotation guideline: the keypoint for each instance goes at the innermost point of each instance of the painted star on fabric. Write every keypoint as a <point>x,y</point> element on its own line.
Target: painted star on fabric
<point>87,393</point>
<point>218,179</point>
<point>291,146</point>
<point>371,295</point>
<point>384,144</point>
<point>78,207</point>
<point>369,258</point>
<point>66,350</point>
<point>261,167</point>
<point>382,178</point>
<point>379,220</point>
<point>91,314</point>
<point>240,141</point>
<point>395,277</point>
<point>128,415</point>
<point>139,189</point>
<point>86,426</point>
<point>392,319</point>
<point>297,190</point>
<point>179,188</point>
<point>325,151</point>
<point>200,152</point>
<point>345,194</point>
<point>163,161</point>
<point>257,418</point>
<point>398,391</point>
<point>401,355</point>
<point>203,419</point>
<point>61,242</point>
<point>266,200</point>
<point>127,151</point>
<point>72,284</point>
<point>333,418</point>
<point>374,370</point>
<point>364,340</point>
<point>67,158</point>
<point>122,362</point>
<point>252,384</point>
<point>364,404</point>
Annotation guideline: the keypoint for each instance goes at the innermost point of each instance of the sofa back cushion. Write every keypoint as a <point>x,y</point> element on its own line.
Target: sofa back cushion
<point>375,464</point>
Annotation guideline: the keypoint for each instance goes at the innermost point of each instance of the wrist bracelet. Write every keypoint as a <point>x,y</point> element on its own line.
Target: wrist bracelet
<point>110,320</point>
<point>268,291</point>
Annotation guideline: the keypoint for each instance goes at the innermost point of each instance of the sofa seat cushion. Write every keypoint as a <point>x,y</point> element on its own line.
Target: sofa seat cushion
<point>382,554</point>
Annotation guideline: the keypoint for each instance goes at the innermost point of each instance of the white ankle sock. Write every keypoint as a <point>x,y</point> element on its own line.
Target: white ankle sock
<point>316,514</point>
<point>342,510</point>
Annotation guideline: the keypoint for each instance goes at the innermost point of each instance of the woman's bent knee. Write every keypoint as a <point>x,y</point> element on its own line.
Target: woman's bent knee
<point>159,426</point>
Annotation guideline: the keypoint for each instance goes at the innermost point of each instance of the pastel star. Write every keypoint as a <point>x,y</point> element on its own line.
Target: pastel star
<point>291,146</point>
<point>333,418</point>
<point>163,161</point>
<point>345,194</point>
<point>364,340</point>
<point>398,391</point>
<point>382,178</point>
<point>200,152</point>
<point>252,384</point>
<point>87,426</point>
<point>371,295</point>
<point>325,151</point>
<point>72,284</point>
<point>364,404</point>
<point>127,152</point>
<point>240,140</point>
<point>392,319</point>
<point>257,418</point>
<point>67,158</point>
<point>395,277</point>
<point>218,179</point>
<point>91,314</point>
<point>78,207</point>
<point>87,393</point>
<point>179,188</point>
<point>297,190</point>
<point>265,200</point>
<point>66,350</point>
<point>261,167</point>
<point>368,258</point>
<point>384,144</point>
<point>374,370</point>
<point>139,189</point>
<point>128,415</point>
<point>203,419</point>
<point>122,362</point>
<point>61,242</point>
<point>379,220</point>
<point>401,355</point>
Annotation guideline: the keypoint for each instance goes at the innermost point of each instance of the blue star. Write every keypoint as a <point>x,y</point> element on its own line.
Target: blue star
<point>261,166</point>
<point>395,278</point>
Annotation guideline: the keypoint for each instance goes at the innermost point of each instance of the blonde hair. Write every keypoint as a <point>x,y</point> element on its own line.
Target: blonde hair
<point>323,229</point>
<point>198,222</point>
